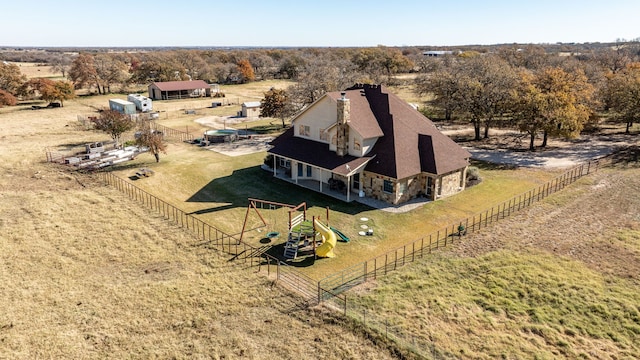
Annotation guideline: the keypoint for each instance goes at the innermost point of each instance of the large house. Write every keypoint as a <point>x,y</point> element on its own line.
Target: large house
<point>169,90</point>
<point>365,141</point>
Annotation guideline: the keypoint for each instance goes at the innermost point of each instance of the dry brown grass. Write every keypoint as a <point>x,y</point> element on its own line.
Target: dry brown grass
<point>86,273</point>
<point>35,70</point>
<point>558,280</point>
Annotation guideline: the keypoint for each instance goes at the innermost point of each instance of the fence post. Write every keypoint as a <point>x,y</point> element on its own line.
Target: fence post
<point>365,271</point>
<point>375,267</point>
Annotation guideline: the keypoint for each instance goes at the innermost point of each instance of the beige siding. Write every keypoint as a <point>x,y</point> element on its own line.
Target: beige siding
<point>320,116</point>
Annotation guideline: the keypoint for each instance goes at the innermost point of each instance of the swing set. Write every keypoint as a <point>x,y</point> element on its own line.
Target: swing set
<point>299,229</point>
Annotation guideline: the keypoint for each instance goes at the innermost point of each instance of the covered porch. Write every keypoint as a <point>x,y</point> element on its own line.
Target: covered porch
<point>319,186</point>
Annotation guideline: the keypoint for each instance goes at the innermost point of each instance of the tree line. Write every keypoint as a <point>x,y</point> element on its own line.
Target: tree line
<point>536,91</point>
<point>533,86</point>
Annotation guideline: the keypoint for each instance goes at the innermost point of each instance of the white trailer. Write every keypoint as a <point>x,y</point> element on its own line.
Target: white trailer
<point>143,103</point>
<point>122,106</point>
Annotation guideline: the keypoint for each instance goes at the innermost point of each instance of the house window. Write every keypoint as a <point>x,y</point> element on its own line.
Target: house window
<point>324,136</point>
<point>309,171</point>
<point>300,170</point>
<point>334,140</point>
<point>356,144</point>
<point>304,130</point>
<point>388,186</point>
<point>285,163</point>
<point>429,186</point>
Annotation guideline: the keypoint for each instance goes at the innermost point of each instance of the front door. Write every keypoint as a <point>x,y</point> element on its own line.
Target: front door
<point>356,181</point>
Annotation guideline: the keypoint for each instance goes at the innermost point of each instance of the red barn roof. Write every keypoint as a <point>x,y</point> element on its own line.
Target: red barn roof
<point>181,85</point>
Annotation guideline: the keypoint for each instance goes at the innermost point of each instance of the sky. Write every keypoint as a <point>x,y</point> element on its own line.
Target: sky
<point>306,23</point>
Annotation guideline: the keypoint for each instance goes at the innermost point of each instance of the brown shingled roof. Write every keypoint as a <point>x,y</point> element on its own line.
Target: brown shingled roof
<point>315,153</point>
<point>412,143</point>
<point>408,142</point>
<point>181,85</point>
<point>362,118</point>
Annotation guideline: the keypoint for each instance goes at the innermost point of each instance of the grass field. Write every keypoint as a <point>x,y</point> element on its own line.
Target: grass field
<point>559,280</point>
<point>87,273</point>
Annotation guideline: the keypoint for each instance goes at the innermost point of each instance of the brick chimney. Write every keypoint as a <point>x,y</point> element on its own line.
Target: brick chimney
<point>344,112</point>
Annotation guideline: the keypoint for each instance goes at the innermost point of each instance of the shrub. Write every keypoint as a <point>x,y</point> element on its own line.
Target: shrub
<point>473,176</point>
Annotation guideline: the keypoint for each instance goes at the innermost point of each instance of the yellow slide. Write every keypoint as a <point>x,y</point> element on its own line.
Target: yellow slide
<point>328,240</point>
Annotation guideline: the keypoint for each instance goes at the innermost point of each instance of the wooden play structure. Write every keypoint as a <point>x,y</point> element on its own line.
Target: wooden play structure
<point>302,232</point>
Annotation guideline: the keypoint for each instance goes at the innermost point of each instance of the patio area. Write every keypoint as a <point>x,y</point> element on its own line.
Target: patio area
<point>353,196</point>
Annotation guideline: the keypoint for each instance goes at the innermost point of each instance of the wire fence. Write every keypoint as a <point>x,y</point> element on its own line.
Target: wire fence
<point>381,265</point>
<point>330,290</point>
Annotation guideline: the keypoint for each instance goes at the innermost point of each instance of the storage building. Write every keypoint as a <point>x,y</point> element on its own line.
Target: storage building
<point>250,109</point>
<point>122,106</point>
<point>179,90</point>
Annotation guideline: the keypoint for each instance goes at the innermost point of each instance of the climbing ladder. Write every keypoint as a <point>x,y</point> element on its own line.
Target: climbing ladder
<point>291,247</point>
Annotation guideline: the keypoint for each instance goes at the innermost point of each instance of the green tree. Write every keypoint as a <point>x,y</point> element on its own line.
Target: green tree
<point>554,102</point>
<point>276,104</point>
<point>624,89</point>
<point>152,140</point>
<point>113,123</point>
<point>485,90</point>
<point>62,90</point>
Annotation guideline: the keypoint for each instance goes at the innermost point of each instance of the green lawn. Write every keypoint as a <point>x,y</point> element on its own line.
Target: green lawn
<point>216,187</point>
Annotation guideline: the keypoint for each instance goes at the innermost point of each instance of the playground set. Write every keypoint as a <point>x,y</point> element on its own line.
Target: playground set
<point>305,236</point>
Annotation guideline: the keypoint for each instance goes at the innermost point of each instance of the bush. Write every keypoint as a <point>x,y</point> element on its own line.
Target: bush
<point>268,160</point>
<point>473,176</point>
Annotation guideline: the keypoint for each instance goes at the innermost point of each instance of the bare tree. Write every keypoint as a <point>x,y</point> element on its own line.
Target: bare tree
<point>151,139</point>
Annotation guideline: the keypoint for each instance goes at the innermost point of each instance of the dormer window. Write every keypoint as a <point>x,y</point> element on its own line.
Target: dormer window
<point>304,130</point>
<point>324,135</point>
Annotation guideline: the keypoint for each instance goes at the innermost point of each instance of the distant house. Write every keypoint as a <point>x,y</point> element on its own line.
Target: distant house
<point>250,109</point>
<point>171,90</point>
<point>437,53</point>
<point>368,142</point>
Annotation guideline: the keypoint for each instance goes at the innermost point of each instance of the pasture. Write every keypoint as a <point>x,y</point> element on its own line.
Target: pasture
<point>113,279</point>
<point>86,273</point>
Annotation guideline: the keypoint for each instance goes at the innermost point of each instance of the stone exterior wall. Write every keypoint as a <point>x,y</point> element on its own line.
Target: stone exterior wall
<point>373,185</point>
<point>413,189</point>
<point>451,183</point>
<point>344,113</point>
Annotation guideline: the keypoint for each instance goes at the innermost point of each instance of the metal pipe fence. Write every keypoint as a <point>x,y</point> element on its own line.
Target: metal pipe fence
<point>209,235</point>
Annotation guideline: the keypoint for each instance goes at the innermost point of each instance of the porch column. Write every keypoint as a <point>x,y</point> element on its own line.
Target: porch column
<point>274,165</point>
<point>348,187</point>
<point>320,179</point>
<point>360,186</point>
